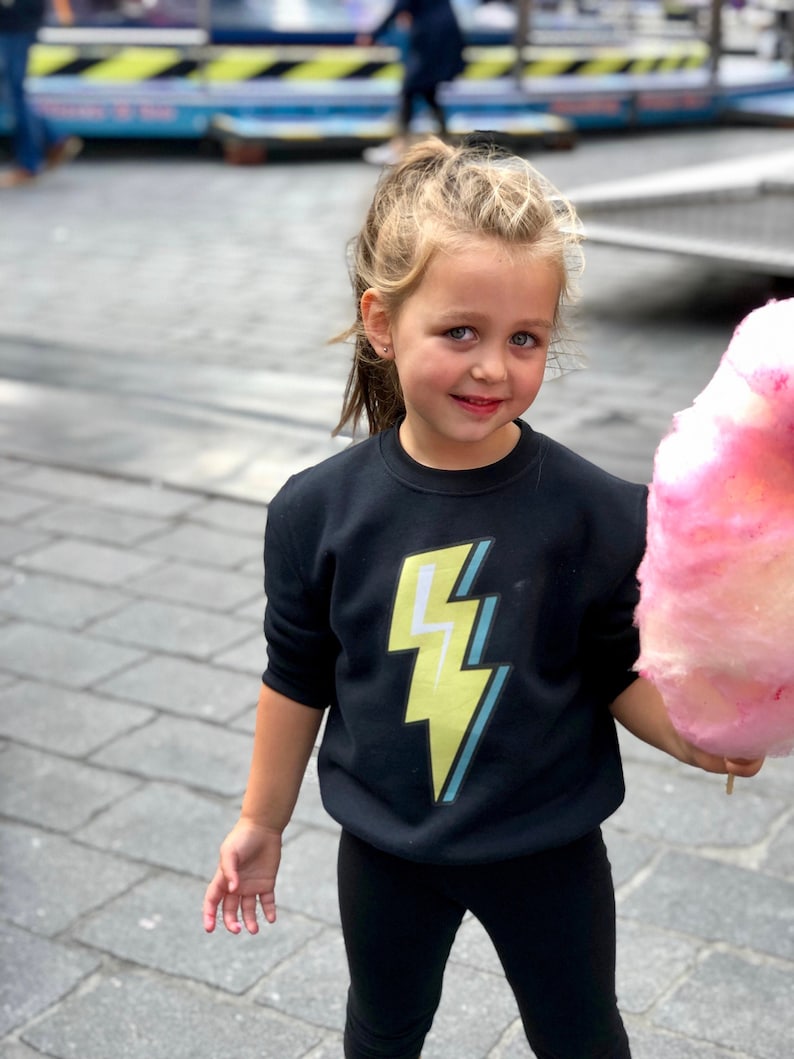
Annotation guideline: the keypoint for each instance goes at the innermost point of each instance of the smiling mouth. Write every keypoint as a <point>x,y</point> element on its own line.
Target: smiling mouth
<point>477,402</point>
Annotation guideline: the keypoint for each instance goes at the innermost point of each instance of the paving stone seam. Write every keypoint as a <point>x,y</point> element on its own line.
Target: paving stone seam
<point>206,492</point>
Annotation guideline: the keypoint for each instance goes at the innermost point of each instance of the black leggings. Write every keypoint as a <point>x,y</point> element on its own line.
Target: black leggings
<point>550,915</point>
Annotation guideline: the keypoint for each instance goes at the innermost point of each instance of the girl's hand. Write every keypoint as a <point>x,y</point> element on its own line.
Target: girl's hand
<point>64,12</point>
<point>693,755</point>
<point>247,869</point>
<point>641,709</point>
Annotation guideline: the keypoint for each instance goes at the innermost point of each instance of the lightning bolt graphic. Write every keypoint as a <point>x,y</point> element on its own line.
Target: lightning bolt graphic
<point>434,616</point>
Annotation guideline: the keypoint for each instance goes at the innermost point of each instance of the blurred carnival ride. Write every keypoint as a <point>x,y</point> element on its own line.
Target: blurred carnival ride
<point>263,75</point>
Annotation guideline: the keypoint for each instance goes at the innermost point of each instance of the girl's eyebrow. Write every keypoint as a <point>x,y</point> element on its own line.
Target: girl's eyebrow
<point>461,315</point>
<point>536,323</point>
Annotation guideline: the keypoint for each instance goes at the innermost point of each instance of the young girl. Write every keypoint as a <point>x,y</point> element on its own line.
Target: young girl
<point>458,592</point>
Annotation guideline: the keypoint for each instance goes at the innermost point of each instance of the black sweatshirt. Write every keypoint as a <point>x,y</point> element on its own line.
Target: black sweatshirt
<point>469,630</point>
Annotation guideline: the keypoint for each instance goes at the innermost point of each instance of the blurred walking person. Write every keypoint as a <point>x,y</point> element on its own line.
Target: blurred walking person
<point>35,143</point>
<point>435,55</point>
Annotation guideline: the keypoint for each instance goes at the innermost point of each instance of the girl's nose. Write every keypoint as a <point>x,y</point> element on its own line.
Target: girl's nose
<point>490,364</point>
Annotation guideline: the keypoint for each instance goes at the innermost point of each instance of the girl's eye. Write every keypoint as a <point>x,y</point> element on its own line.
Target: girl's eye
<point>459,333</point>
<point>523,338</point>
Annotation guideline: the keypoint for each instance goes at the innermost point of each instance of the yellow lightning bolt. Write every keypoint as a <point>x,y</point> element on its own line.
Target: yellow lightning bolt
<point>429,619</point>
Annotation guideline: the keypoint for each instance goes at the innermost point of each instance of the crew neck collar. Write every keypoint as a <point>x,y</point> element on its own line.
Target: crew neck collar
<point>476,480</point>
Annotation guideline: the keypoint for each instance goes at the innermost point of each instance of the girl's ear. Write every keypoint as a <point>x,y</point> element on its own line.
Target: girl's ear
<point>376,323</point>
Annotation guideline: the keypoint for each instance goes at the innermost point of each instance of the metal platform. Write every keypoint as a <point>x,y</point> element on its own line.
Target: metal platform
<point>250,140</point>
<point>739,213</point>
<point>772,108</point>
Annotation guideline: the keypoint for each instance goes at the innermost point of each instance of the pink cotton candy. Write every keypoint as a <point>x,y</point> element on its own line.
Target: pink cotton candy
<point>716,612</point>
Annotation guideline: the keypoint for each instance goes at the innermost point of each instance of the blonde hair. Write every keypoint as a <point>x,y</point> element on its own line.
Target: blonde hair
<point>436,199</point>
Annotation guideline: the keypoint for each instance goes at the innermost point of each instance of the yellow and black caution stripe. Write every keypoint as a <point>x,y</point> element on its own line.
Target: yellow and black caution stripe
<point>124,65</point>
<point>492,63</point>
<point>128,65</point>
<point>285,64</point>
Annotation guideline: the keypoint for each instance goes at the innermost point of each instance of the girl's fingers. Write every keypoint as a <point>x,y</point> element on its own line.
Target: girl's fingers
<point>215,893</point>
<point>268,902</point>
<point>743,767</point>
<point>231,909</point>
<point>248,905</point>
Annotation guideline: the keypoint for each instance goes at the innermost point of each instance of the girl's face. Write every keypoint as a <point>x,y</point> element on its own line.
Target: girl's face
<point>470,348</point>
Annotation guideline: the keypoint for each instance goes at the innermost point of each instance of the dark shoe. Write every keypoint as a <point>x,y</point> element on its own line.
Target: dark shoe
<point>14,178</point>
<point>63,151</point>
